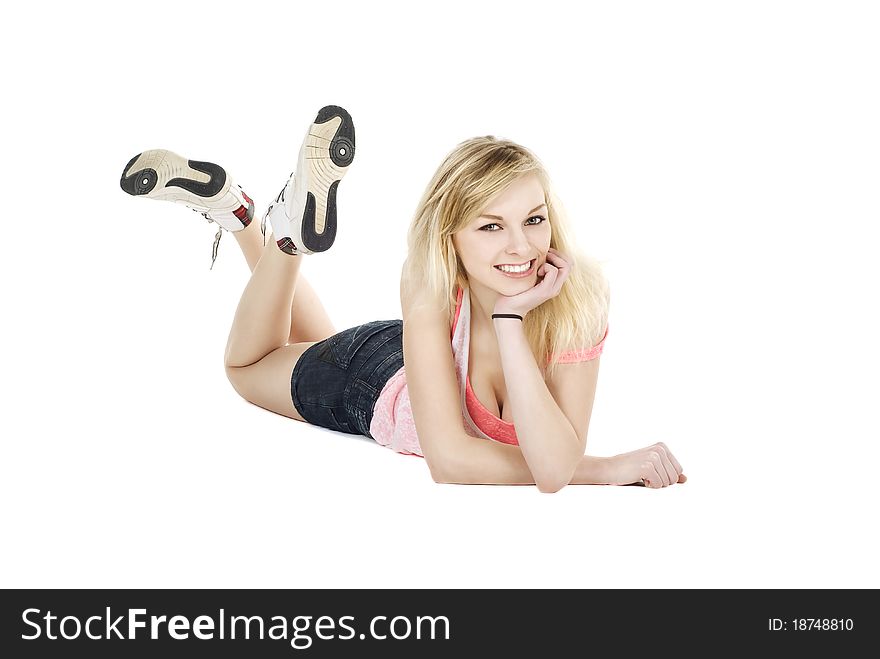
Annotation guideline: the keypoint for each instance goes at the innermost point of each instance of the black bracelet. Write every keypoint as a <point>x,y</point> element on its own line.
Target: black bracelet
<point>506,315</point>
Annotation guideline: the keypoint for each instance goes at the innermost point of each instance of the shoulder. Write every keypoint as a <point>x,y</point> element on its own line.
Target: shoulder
<point>415,294</point>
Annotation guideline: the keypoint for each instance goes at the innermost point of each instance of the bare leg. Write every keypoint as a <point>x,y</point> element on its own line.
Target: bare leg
<point>310,319</point>
<point>262,319</point>
<point>259,363</point>
<point>263,346</point>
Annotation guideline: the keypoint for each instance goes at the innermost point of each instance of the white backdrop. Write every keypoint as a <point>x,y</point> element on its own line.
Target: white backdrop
<point>721,160</point>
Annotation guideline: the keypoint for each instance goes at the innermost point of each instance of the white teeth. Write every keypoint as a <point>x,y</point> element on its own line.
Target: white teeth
<point>514,268</point>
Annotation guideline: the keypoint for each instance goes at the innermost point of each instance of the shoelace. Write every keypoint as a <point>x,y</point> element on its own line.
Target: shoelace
<point>216,247</point>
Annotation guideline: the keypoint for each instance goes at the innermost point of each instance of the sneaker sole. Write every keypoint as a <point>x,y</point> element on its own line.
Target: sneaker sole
<point>164,175</point>
<point>330,150</point>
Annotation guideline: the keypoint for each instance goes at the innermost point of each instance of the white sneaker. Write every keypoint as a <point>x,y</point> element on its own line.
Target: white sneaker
<point>303,216</point>
<point>202,186</point>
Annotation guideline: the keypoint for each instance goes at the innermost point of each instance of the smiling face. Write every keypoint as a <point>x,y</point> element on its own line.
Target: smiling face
<point>513,231</point>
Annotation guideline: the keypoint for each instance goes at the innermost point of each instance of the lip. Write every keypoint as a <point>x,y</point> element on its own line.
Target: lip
<point>517,275</point>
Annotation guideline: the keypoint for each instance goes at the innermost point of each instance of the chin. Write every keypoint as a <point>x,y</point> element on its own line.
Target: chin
<point>513,287</point>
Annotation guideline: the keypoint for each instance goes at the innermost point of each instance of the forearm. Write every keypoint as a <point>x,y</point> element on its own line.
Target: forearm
<point>477,461</point>
<point>592,470</point>
<point>548,441</point>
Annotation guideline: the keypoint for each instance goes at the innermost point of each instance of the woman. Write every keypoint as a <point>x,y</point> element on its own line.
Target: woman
<point>502,328</point>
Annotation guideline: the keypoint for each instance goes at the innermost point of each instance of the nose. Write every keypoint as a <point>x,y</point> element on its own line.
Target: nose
<point>517,244</point>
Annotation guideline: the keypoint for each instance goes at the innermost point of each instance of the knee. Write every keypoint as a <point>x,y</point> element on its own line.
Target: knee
<point>236,377</point>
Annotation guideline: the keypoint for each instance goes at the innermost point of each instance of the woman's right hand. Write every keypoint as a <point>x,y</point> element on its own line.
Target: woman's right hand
<point>654,465</point>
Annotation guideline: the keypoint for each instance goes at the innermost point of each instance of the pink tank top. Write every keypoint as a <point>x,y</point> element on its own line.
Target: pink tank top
<point>393,425</point>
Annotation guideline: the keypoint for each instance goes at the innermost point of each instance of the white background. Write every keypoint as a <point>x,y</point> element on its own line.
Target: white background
<point>721,160</point>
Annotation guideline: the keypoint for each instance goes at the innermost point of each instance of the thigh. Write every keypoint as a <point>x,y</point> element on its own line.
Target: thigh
<point>309,319</point>
<point>267,382</point>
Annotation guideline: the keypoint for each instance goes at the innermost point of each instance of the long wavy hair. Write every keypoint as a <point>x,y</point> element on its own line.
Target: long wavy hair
<point>466,182</point>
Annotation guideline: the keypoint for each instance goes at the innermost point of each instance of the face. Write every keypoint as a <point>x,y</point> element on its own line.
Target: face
<point>513,230</point>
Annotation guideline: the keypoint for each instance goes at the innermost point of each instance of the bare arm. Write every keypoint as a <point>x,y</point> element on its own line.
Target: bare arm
<point>548,441</point>
<point>476,461</point>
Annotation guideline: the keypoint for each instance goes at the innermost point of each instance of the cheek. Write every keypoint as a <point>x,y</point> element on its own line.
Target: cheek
<point>468,258</point>
<point>473,253</point>
<point>546,235</point>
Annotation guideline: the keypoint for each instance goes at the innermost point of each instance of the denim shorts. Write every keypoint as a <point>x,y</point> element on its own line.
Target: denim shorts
<point>336,382</point>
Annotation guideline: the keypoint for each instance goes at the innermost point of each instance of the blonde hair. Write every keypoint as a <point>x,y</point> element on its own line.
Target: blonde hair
<point>474,173</point>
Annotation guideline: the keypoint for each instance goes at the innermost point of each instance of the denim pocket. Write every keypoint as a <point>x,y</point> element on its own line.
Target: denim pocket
<point>345,345</point>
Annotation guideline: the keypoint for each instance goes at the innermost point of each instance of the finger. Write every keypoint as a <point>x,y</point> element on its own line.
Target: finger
<point>657,461</point>
<point>548,284</point>
<point>550,272</point>
<point>675,462</point>
<point>682,478</point>
<point>560,280</point>
<point>667,465</point>
<point>557,259</point>
<point>650,475</point>
<point>557,285</point>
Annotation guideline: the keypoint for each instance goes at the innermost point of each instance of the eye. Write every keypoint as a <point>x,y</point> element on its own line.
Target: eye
<point>533,217</point>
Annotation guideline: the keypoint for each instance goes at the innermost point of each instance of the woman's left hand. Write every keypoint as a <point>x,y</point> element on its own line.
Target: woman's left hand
<point>554,272</point>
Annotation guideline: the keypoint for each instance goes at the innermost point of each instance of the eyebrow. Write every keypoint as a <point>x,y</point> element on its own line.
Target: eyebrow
<point>498,217</point>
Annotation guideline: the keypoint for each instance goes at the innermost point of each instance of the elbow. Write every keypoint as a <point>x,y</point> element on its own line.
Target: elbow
<point>439,474</point>
<point>447,463</point>
<point>550,485</point>
<point>554,477</point>
<point>438,477</point>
